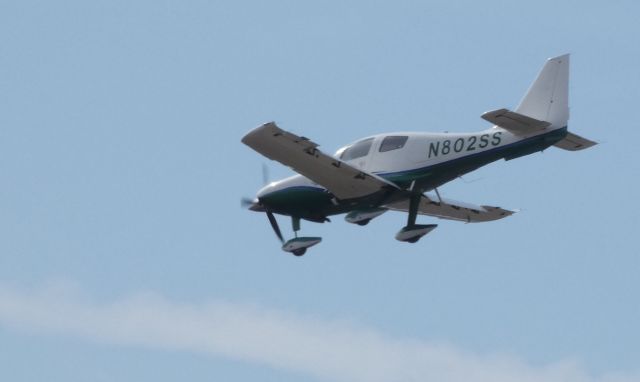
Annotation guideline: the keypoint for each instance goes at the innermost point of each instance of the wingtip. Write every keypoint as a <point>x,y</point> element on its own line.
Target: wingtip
<point>245,139</point>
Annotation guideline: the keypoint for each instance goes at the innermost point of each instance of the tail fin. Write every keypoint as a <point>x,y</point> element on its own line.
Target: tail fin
<point>548,97</point>
<point>548,100</point>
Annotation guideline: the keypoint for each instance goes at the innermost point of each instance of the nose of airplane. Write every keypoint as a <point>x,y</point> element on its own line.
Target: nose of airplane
<point>256,206</point>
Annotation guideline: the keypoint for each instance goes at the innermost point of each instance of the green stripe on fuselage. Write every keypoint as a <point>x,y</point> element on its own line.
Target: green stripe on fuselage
<point>315,203</point>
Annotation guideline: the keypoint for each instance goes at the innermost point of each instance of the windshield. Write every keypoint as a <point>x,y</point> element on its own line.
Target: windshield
<point>357,150</point>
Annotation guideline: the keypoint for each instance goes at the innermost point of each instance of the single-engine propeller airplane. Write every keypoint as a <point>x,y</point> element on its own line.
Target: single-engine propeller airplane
<point>395,171</point>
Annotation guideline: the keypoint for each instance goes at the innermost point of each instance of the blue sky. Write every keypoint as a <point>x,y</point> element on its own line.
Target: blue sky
<point>124,254</point>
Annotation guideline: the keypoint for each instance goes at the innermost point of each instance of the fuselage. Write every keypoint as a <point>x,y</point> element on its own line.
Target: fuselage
<point>415,160</point>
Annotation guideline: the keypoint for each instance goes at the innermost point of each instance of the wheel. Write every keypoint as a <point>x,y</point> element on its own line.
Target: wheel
<point>299,252</point>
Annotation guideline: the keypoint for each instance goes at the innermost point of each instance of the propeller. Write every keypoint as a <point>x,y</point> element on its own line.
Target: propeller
<point>255,205</point>
<point>274,225</point>
<point>265,174</point>
<point>247,202</point>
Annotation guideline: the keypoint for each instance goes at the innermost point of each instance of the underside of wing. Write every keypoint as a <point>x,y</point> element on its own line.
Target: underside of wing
<point>453,210</point>
<point>303,156</point>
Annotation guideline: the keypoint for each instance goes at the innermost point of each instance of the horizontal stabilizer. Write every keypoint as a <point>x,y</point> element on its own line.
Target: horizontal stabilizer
<point>573,142</point>
<point>516,123</point>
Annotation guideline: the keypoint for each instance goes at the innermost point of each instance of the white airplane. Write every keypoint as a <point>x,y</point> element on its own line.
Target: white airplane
<point>394,171</point>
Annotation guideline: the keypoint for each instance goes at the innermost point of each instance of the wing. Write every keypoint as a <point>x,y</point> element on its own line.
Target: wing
<point>453,210</point>
<point>303,156</point>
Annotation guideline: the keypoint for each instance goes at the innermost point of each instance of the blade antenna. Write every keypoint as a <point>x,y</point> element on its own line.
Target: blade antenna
<point>439,198</point>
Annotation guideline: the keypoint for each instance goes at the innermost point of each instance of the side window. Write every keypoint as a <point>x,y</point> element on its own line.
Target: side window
<point>393,142</point>
<point>359,149</point>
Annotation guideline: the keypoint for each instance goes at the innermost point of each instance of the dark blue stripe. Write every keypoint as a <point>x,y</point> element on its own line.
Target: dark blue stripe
<point>491,151</point>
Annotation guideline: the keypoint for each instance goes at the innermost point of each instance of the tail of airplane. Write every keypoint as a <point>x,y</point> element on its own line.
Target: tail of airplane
<point>544,106</point>
<point>548,97</point>
<point>548,100</point>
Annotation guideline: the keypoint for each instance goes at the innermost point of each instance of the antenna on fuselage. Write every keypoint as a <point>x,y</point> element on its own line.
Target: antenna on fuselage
<point>438,194</point>
<point>469,181</point>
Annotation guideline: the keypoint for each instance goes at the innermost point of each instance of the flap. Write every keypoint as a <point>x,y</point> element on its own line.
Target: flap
<point>453,210</point>
<point>302,155</point>
<point>516,123</point>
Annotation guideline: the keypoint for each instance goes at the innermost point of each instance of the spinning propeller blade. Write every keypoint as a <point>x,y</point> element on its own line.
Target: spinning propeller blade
<point>246,202</point>
<point>256,205</point>
<point>265,174</point>
<point>274,225</point>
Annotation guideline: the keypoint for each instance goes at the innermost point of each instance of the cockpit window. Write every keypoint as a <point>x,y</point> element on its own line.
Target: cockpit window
<point>357,150</point>
<point>393,142</point>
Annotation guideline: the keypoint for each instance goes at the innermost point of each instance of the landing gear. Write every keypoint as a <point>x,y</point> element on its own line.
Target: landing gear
<point>298,245</point>
<point>295,225</point>
<point>299,252</point>
<point>413,232</point>
<point>364,216</point>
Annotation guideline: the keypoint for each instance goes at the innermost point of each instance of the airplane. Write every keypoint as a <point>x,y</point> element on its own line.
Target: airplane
<point>398,171</point>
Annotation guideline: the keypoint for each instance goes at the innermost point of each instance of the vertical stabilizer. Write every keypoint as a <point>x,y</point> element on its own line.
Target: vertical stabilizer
<point>548,97</point>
